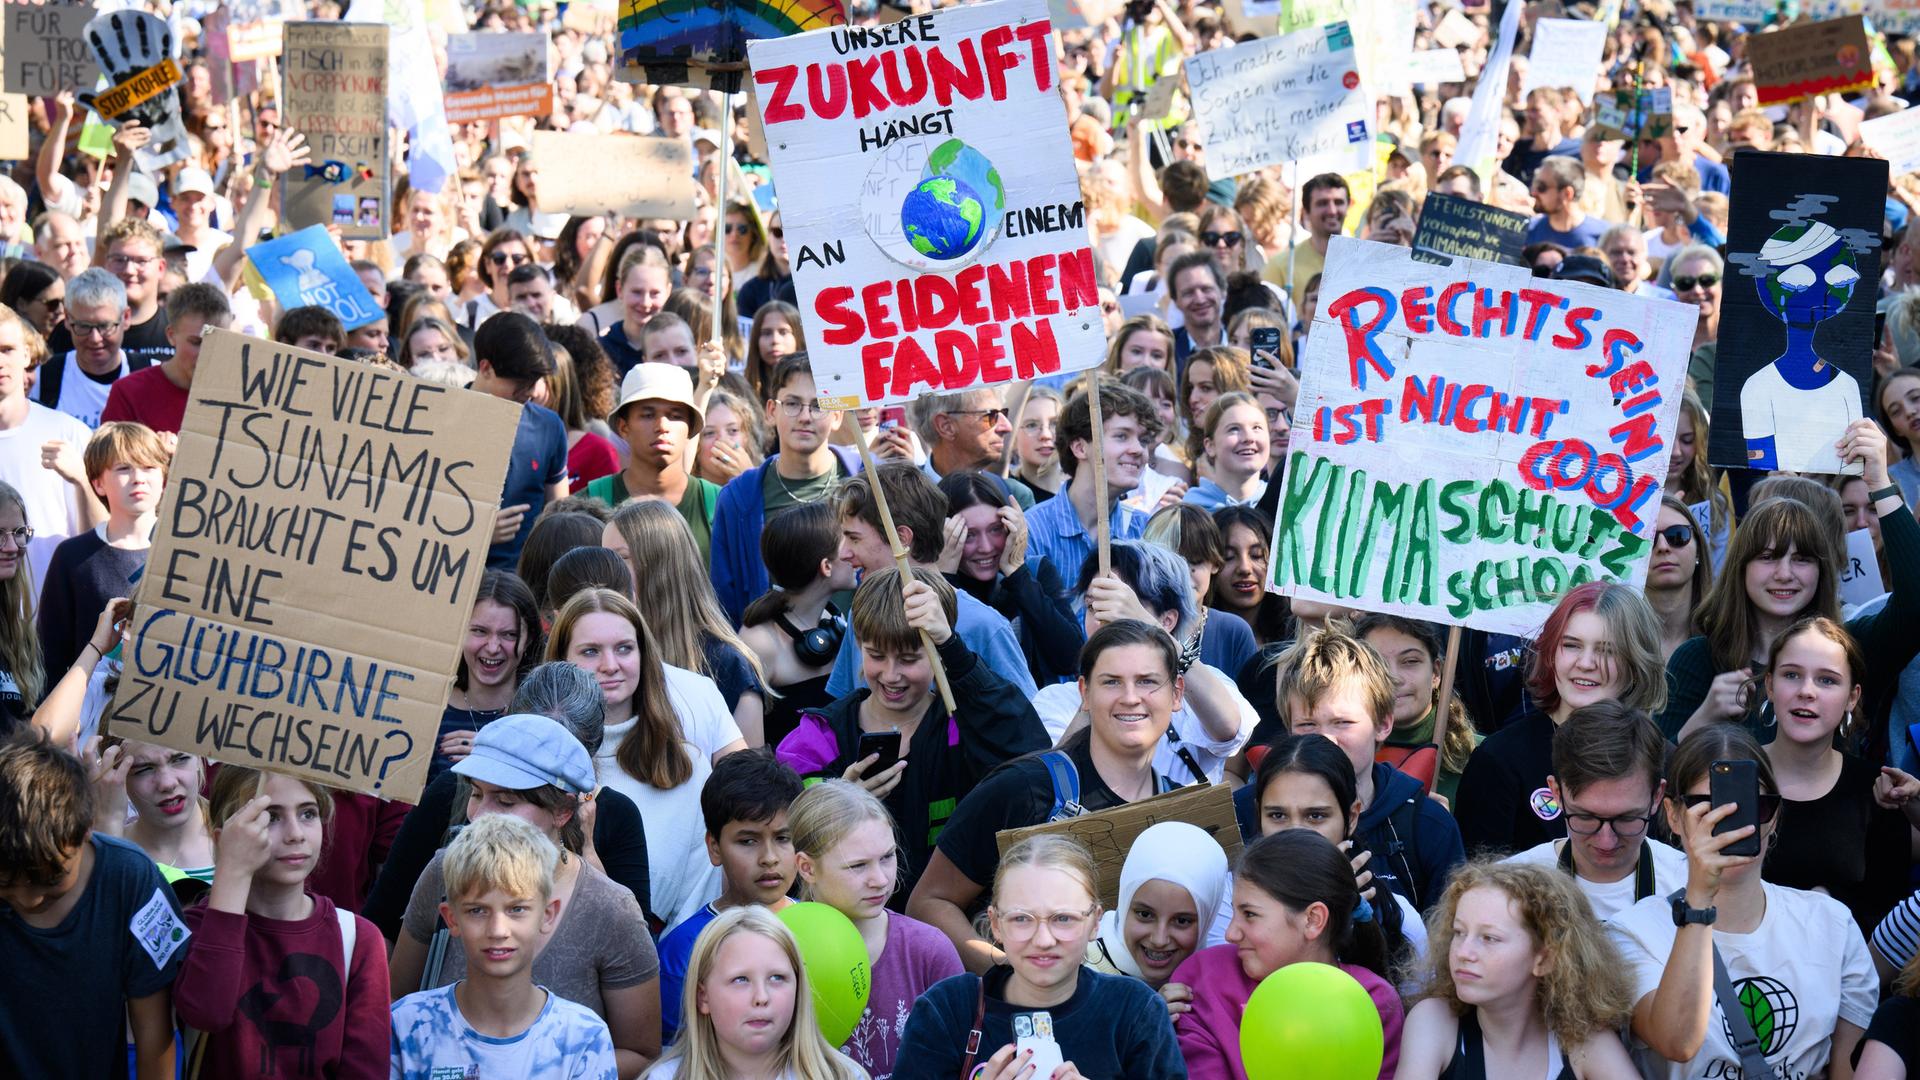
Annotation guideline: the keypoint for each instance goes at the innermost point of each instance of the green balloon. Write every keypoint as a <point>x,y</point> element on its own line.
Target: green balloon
<point>836,963</point>
<point>1312,1020</point>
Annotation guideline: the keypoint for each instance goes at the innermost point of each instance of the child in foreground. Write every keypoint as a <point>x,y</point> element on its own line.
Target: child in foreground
<point>496,1022</point>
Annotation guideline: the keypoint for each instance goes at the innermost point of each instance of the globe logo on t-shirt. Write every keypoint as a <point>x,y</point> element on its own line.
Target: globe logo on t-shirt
<point>1772,1010</point>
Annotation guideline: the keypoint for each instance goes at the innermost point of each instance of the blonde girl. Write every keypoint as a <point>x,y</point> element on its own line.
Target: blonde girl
<point>21,678</point>
<point>751,1010</point>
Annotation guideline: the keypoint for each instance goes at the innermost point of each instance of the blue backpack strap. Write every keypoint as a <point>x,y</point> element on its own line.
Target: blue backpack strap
<point>1065,780</point>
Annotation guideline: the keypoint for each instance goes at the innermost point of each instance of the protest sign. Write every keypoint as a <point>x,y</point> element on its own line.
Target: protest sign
<point>46,49</point>
<point>1566,53</point>
<point>1454,30</point>
<point>1431,67</point>
<point>335,76</point>
<point>1896,137</point>
<point>633,175</point>
<point>1471,442</point>
<point>317,553</point>
<point>1796,62</point>
<point>1860,573</point>
<point>1622,114</point>
<point>1795,352</point>
<point>1079,14</point>
<point>1751,12</point>
<point>13,122</point>
<point>254,27</point>
<point>307,268</point>
<point>938,235</point>
<point>1160,96</point>
<point>144,86</point>
<point>1383,38</point>
<point>491,75</point>
<point>136,51</point>
<point>1295,98</point>
<point>1452,227</point>
<point>1109,834</point>
<point>705,44</point>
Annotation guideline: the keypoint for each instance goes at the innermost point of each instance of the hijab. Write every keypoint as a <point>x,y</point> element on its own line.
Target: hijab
<point>1177,853</point>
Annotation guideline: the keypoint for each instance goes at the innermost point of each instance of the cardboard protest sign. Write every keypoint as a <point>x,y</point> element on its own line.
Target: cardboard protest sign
<point>1431,67</point>
<point>13,123</point>
<point>1566,53</point>
<point>307,268</point>
<point>1799,61</point>
<point>1452,227</point>
<point>1795,353</point>
<point>494,75</point>
<point>1622,114</point>
<point>319,547</point>
<point>1109,834</point>
<point>1470,442</point>
<point>1160,96</point>
<point>335,78</point>
<point>632,175</point>
<point>137,54</point>
<point>1896,137</point>
<point>1296,98</point>
<point>938,235</point>
<point>705,44</point>
<point>46,49</point>
<point>1860,573</point>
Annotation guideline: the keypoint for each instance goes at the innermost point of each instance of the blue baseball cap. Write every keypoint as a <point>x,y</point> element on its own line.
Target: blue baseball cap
<point>525,751</point>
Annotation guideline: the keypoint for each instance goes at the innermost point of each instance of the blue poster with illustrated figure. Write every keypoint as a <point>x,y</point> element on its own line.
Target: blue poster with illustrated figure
<point>306,268</point>
<point>1794,360</point>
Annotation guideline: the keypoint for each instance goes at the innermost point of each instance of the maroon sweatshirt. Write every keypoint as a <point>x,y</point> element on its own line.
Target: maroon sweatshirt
<point>275,998</point>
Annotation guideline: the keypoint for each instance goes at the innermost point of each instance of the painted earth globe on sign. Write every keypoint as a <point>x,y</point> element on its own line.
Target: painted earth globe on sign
<point>943,217</point>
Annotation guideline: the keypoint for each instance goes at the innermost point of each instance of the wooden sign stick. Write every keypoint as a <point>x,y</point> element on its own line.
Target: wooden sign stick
<point>899,554</point>
<point>1098,459</point>
<point>1446,695</point>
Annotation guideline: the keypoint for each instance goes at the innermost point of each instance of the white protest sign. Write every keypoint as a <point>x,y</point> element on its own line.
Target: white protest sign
<point>1384,36</point>
<point>1431,67</point>
<point>930,202</point>
<point>1471,441</point>
<point>1295,98</point>
<point>1566,53</point>
<point>1860,574</point>
<point>1896,137</point>
<point>1756,12</point>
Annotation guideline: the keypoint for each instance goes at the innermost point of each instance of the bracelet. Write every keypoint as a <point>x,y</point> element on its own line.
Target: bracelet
<point>95,648</point>
<point>1891,491</point>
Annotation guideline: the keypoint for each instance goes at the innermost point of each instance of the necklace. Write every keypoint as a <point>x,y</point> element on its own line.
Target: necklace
<point>791,494</point>
<point>490,714</point>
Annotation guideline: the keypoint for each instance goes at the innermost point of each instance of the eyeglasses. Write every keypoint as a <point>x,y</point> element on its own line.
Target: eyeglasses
<point>1215,239</point>
<point>502,258</point>
<point>1769,804</point>
<point>1022,925</point>
<point>1688,284</point>
<point>1676,536</point>
<point>1625,826</point>
<point>793,407</point>
<point>122,262</point>
<point>90,329</point>
<point>19,536</point>
<point>1277,415</point>
<point>994,416</point>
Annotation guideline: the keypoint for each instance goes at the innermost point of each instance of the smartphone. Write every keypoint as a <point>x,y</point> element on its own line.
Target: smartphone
<point>1737,783</point>
<point>893,416</point>
<point>1879,329</point>
<point>1266,345</point>
<point>884,743</point>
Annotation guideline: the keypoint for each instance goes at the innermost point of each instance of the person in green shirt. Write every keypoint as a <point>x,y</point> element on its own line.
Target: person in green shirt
<point>658,418</point>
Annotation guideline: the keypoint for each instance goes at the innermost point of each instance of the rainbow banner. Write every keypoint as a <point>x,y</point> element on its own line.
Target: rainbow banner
<point>703,44</point>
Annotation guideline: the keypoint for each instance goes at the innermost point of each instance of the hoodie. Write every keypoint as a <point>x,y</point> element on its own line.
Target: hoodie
<point>739,575</point>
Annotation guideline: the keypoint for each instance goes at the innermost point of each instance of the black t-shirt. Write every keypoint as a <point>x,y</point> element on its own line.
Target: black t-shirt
<point>1845,843</point>
<point>1896,1024</point>
<point>730,671</point>
<point>1503,802</point>
<point>1014,796</point>
<point>144,343</point>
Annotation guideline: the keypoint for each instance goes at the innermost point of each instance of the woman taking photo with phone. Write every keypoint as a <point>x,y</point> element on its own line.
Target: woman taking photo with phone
<point>1789,955</point>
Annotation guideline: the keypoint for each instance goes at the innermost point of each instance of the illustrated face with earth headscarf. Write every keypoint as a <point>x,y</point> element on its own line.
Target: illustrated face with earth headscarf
<point>1793,409</point>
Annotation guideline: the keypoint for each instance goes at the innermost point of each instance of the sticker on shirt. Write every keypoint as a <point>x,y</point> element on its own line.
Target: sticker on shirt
<point>1770,1007</point>
<point>158,929</point>
<point>1545,806</point>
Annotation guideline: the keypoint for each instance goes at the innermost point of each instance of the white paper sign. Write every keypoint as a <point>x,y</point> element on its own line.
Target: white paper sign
<point>1897,138</point>
<point>1294,98</point>
<point>1860,577</point>
<point>1755,12</point>
<point>1472,441</point>
<point>1566,53</point>
<point>1431,67</point>
<point>1383,35</point>
<point>931,206</point>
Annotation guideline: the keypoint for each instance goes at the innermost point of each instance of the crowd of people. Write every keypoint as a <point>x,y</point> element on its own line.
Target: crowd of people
<point>733,651</point>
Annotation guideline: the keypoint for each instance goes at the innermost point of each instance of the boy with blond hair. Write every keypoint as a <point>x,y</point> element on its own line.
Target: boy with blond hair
<point>500,907</point>
<point>126,465</point>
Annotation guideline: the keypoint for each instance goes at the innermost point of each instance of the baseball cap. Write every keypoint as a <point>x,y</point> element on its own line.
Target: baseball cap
<point>1584,268</point>
<point>660,382</point>
<point>142,189</point>
<point>191,179</point>
<point>526,751</point>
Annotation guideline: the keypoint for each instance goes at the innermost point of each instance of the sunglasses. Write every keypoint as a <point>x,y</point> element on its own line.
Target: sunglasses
<point>501,258</point>
<point>740,229</point>
<point>1676,535</point>
<point>1215,239</point>
<point>777,232</point>
<point>1687,284</point>
<point>1768,807</point>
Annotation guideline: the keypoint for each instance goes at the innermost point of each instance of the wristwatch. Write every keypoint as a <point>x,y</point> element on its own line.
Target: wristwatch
<point>1684,916</point>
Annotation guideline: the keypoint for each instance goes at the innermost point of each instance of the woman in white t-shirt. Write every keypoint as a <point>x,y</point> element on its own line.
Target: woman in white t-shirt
<point>665,728</point>
<point>1799,966</point>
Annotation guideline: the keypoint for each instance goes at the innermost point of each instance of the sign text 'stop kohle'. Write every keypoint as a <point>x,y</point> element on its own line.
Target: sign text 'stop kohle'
<point>937,233</point>
<point>320,543</point>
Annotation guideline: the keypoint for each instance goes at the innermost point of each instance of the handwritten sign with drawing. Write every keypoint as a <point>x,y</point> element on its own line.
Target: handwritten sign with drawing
<point>318,550</point>
<point>307,268</point>
<point>1451,227</point>
<point>1110,833</point>
<point>335,76</point>
<point>1296,98</point>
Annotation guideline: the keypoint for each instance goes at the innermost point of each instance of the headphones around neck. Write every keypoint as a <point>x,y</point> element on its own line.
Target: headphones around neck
<point>819,646</point>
